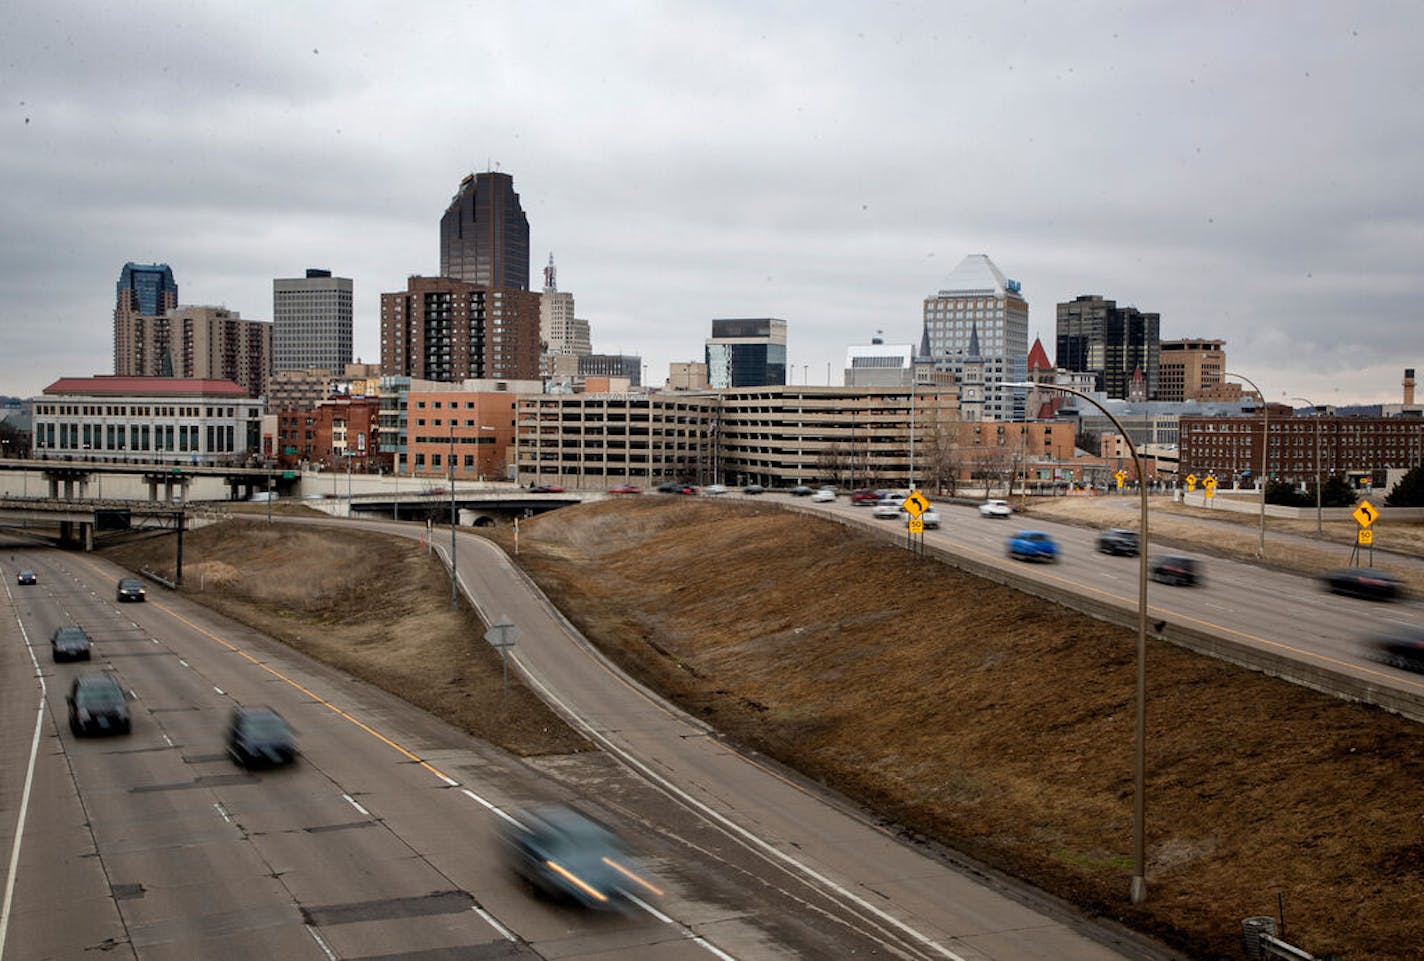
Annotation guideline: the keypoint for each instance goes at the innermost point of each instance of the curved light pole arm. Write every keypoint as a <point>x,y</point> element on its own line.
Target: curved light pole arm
<point>1138,890</point>
<point>1265,446</point>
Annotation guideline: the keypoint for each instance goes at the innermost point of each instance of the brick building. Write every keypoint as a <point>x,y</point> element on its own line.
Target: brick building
<point>1360,447</point>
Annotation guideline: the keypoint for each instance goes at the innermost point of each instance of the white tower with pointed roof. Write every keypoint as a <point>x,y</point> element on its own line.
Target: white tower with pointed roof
<point>979,302</point>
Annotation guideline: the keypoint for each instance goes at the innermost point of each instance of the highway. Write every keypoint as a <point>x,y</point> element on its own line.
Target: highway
<point>380,843</point>
<point>1286,613</point>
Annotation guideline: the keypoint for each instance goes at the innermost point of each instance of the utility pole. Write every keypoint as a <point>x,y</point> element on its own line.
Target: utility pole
<point>450,469</point>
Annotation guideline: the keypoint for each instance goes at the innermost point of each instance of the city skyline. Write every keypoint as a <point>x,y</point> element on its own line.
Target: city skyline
<point>1241,172</point>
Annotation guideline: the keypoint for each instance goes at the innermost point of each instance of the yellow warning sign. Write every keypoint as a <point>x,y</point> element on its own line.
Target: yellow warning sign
<point>1365,537</point>
<point>1365,514</point>
<point>916,504</point>
<point>917,526</point>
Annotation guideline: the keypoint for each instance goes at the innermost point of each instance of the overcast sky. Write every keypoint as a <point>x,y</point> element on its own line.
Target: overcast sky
<point>1251,172</point>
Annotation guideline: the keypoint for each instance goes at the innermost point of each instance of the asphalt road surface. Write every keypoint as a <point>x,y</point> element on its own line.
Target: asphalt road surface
<point>381,841</point>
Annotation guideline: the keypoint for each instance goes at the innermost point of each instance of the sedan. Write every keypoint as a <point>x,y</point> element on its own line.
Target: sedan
<point>887,509</point>
<point>1033,546</point>
<point>1182,571</point>
<point>565,854</point>
<point>625,489</point>
<point>1118,541</point>
<point>995,509</point>
<point>801,490</point>
<point>259,737</point>
<point>714,489</point>
<point>865,497</point>
<point>753,489</point>
<point>1403,648</point>
<point>26,577</point>
<point>824,496</point>
<point>70,644</point>
<point>545,489</point>
<point>97,706</point>
<point>930,518</point>
<point>131,589</point>
<point>1370,583</point>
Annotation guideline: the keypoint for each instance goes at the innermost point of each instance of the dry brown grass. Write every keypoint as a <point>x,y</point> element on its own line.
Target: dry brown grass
<point>1002,725</point>
<point>373,606</point>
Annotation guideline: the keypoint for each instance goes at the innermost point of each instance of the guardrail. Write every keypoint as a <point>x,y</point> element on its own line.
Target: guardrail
<point>153,576</point>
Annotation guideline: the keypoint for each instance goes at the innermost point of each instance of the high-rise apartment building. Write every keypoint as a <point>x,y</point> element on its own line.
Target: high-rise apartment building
<point>559,330</point>
<point>1097,336</point>
<point>217,343</point>
<point>978,302</point>
<point>311,322</point>
<point>1188,369</point>
<point>448,330</point>
<point>484,235</point>
<point>746,352</point>
<point>145,294</point>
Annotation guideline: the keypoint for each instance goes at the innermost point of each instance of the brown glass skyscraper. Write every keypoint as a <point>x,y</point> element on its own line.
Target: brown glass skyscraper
<point>484,235</point>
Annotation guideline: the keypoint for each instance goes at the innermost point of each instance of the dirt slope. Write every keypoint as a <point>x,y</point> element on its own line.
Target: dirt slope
<point>1002,725</point>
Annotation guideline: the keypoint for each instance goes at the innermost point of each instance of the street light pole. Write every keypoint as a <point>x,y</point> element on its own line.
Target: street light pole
<point>450,469</point>
<point>1265,446</point>
<point>1138,890</point>
<point>1319,527</point>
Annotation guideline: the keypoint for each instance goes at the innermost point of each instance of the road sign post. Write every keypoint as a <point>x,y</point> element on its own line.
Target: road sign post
<point>503,634</point>
<point>1365,515</point>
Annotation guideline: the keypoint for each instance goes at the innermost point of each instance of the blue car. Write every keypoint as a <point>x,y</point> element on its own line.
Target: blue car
<point>1033,546</point>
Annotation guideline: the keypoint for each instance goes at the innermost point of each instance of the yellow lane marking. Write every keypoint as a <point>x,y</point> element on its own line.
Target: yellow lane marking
<point>305,690</point>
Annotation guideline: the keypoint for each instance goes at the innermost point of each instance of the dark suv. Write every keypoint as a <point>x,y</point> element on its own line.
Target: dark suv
<point>69,644</point>
<point>1118,541</point>
<point>131,589</point>
<point>259,737</point>
<point>97,706</point>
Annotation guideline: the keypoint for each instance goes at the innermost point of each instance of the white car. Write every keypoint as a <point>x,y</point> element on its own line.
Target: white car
<point>931,519</point>
<point>714,489</point>
<point>995,509</point>
<point>824,495</point>
<point>887,509</point>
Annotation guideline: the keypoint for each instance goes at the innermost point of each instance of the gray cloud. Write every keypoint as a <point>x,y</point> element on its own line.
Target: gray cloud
<point>1249,172</point>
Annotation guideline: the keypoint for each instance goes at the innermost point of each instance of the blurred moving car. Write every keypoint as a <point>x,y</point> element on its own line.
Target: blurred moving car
<point>97,706</point>
<point>801,490</point>
<point>1033,546</point>
<point>70,644</point>
<point>993,508</point>
<point>545,489</point>
<point>676,487</point>
<point>1369,583</point>
<point>131,589</point>
<point>714,489</point>
<point>865,497</point>
<point>259,737</point>
<point>1118,541</point>
<point>886,509</point>
<point>930,518</point>
<point>753,489</point>
<point>1402,648</point>
<point>566,854</point>
<point>26,577</point>
<point>1174,569</point>
<point>625,489</point>
<point>824,495</point>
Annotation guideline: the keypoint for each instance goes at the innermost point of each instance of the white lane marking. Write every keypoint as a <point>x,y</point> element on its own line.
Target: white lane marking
<point>167,740</point>
<point>507,934</point>
<point>183,662</point>
<point>220,690</point>
<point>687,932</point>
<point>628,758</point>
<point>450,781</point>
<point>222,811</point>
<point>25,795</point>
<point>490,806</point>
<point>321,942</point>
<point>352,801</point>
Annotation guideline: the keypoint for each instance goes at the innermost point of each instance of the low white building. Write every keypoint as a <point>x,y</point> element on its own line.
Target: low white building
<point>149,420</point>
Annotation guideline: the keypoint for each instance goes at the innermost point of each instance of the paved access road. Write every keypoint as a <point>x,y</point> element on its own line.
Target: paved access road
<point>381,843</point>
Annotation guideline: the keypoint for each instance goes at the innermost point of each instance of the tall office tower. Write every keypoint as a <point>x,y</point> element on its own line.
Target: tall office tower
<point>559,330</point>
<point>746,352</point>
<point>443,329</point>
<point>484,235</point>
<point>1097,336</point>
<point>1187,368</point>
<point>214,343</point>
<point>979,302</point>
<point>311,322</point>
<point>145,293</point>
